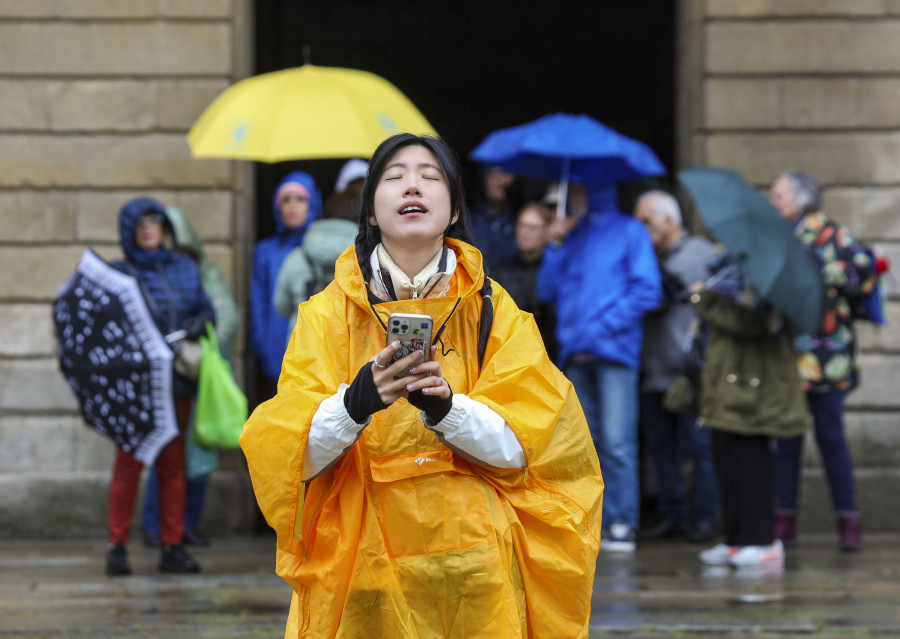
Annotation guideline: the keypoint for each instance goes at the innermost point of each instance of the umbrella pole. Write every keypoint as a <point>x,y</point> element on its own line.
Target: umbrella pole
<point>563,191</point>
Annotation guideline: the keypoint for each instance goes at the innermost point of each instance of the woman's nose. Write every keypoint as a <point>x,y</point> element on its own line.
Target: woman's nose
<point>412,186</point>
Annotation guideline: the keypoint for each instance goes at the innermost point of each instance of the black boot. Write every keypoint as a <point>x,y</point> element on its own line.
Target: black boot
<point>117,561</point>
<point>176,559</point>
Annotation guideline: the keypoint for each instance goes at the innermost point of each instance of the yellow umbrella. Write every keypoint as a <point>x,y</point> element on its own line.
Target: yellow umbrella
<point>304,113</point>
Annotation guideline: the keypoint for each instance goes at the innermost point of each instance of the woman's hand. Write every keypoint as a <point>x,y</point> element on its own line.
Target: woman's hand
<point>431,393</point>
<point>429,378</point>
<point>390,389</point>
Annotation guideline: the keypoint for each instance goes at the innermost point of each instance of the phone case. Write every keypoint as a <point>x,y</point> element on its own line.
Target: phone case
<point>414,332</point>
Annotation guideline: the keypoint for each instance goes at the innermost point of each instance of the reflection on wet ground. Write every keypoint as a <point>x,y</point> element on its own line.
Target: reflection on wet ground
<point>57,589</point>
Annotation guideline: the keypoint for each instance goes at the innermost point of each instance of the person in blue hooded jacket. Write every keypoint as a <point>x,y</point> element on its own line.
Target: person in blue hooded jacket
<point>173,289</point>
<point>296,204</point>
<point>602,274</point>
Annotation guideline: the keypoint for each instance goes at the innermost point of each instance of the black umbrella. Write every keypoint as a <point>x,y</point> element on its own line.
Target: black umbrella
<point>115,358</point>
<point>752,230</point>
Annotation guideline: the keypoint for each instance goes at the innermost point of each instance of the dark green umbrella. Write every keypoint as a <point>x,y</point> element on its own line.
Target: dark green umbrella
<point>751,229</point>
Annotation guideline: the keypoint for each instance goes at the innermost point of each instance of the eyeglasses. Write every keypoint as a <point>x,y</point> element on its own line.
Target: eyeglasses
<point>151,218</point>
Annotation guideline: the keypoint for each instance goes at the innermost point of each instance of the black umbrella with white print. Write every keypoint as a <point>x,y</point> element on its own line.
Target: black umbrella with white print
<point>115,358</point>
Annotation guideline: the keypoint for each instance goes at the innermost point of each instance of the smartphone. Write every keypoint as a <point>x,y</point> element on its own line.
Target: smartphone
<point>414,332</point>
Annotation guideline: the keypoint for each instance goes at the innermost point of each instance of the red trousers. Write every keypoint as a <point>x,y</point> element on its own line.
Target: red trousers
<point>171,476</point>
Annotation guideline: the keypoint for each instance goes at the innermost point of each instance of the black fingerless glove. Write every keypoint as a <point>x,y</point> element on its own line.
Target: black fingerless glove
<point>195,326</point>
<point>362,398</point>
<point>435,407</point>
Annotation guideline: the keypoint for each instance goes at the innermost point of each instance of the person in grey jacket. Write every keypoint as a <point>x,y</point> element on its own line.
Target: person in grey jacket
<point>309,268</point>
<point>682,259</point>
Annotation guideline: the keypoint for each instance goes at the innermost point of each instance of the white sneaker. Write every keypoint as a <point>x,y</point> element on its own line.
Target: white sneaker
<point>718,555</point>
<point>620,538</point>
<point>757,556</point>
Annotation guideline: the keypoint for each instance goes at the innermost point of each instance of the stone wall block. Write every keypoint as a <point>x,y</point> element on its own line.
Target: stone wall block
<point>878,444</point>
<point>804,8</point>
<point>178,104</point>
<point>815,104</point>
<point>802,103</point>
<point>37,216</point>
<point>196,9</point>
<point>209,212</point>
<point>875,156</point>
<point>54,506</point>
<point>37,444</point>
<point>36,273</point>
<point>124,49</point>
<point>27,329</point>
<point>114,9</point>
<point>871,213</point>
<point>23,105</point>
<point>876,501</point>
<point>143,161</point>
<point>34,385</point>
<point>95,9</point>
<point>91,451</point>
<point>104,105</point>
<point>859,103</point>
<point>99,106</point>
<point>785,47</point>
<point>222,257</point>
<point>742,104</point>
<point>881,338</point>
<point>878,389</point>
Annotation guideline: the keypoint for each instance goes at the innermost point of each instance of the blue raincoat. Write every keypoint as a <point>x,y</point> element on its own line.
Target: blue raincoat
<point>603,279</point>
<point>270,328</point>
<point>170,279</point>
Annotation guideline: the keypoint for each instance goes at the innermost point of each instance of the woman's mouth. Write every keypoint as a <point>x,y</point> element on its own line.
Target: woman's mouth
<point>413,209</point>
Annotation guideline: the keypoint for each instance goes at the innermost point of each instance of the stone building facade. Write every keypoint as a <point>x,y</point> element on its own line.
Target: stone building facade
<point>95,100</point>
<point>771,85</point>
<point>97,95</point>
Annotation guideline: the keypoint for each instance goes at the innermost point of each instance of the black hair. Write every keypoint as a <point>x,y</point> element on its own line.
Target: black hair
<point>369,236</point>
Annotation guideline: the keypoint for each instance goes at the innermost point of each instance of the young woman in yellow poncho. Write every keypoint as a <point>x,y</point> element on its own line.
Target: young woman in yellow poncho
<point>463,500</point>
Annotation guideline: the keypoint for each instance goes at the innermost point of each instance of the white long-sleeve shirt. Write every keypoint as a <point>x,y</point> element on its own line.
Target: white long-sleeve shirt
<point>470,427</point>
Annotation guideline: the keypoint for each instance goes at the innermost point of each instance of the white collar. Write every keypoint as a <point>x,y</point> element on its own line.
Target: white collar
<point>430,282</point>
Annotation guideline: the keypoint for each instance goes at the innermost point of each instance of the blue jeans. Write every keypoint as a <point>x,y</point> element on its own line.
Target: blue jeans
<point>828,419</point>
<point>608,393</point>
<point>668,436</point>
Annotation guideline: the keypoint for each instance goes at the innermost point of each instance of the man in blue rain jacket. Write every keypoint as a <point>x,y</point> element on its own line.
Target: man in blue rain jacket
<point>602,274</point>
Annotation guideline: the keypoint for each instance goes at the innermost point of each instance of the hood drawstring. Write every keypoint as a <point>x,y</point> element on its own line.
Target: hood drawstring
<point>486,320</point>
<point>437,336</point>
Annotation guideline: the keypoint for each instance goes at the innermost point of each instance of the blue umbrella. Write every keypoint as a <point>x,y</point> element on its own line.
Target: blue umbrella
<point>752,230</point>
<point>567,147</point>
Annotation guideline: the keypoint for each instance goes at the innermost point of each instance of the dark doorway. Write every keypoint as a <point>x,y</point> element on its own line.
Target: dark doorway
<point>472,68</point>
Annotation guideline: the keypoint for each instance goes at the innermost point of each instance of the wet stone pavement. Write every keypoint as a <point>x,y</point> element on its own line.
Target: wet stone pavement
<point>57,589</point>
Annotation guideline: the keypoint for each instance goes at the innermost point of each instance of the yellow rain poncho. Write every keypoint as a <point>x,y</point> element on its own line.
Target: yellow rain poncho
<point>383,545</point>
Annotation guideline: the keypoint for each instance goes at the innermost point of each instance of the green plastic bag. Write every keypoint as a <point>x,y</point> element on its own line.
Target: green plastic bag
<point>221,406</point>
